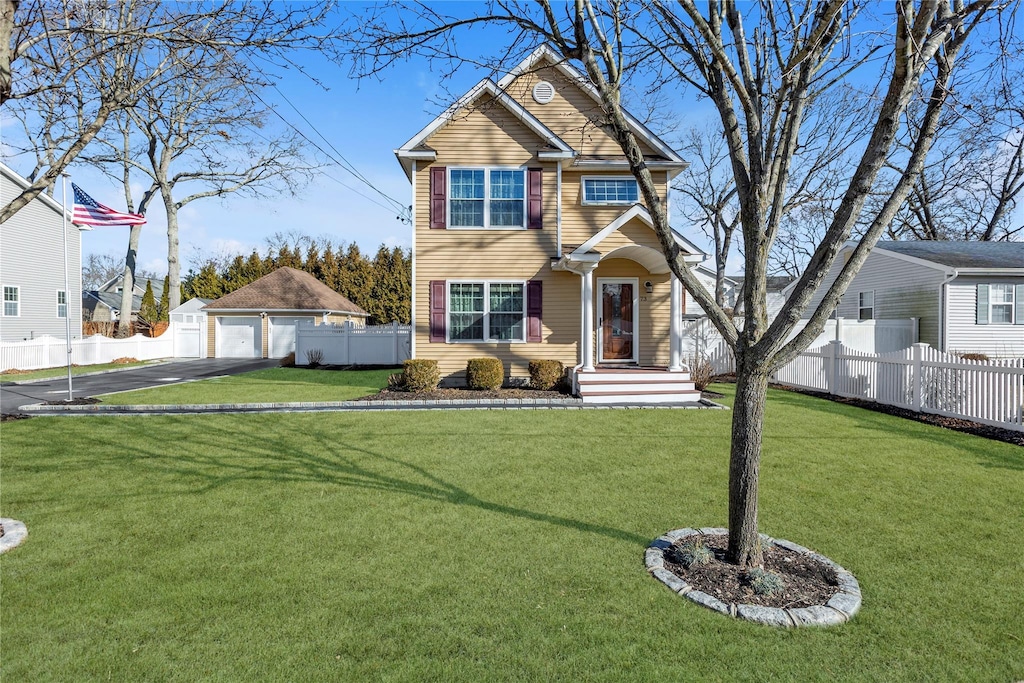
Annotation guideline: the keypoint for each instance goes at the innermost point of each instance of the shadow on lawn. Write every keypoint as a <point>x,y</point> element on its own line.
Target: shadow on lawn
<point>991,453</point>
<point>218,457</point>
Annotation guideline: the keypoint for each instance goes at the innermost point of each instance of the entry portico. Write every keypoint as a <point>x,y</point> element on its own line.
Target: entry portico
<point>623,279</point>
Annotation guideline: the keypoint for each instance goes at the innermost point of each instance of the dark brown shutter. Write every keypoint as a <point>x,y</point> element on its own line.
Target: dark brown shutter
<point>438,198</point>
<point>535,198</point>
<point>534,309</point>
<point>437,310</point>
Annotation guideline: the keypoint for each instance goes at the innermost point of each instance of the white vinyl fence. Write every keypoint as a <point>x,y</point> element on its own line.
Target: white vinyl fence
<point>346,344</point>
<point>51,352</point>
<point>919,378</point>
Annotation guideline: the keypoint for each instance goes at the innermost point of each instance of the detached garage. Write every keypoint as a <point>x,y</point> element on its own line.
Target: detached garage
<point>259,320</point>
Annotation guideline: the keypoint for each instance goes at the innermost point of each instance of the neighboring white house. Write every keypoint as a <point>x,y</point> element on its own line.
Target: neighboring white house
<point>104,304</point>
<point>35,300</point>
<point>967,296</point>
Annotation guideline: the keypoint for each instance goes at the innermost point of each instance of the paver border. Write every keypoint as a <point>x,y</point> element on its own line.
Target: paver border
<point>839,609</point>
<point>15,533</point>
<point>356,406</point>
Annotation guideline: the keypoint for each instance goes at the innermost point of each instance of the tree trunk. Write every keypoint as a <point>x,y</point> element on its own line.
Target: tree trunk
<point>128,282</point>
<point>7,10</point>
<point>173,262</point>
<point>744,463</point>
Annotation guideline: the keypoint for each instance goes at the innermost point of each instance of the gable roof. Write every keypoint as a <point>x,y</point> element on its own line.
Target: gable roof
<point>46,199</point>
<point>114,283</point>
<point>286,289</point>
<point>545,52</point>
<point>415,149</point>
<point>997,255</point>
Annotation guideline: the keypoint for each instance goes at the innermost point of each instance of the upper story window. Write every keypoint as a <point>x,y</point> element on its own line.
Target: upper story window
<point>62,304</point>
<point>610,191</point>
<point>486,198</point>
<point>866,306</point>
<point>12,301</point>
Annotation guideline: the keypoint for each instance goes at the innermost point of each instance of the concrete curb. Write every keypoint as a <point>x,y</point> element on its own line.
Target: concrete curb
<point>41,409</point>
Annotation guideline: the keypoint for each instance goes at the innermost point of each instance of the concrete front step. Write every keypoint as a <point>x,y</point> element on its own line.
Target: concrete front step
<point>611,376</point>
<point>634,387</point>
<point>646,397</point>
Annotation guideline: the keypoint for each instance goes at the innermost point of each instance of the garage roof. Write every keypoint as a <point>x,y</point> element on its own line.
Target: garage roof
<point>286,289</point>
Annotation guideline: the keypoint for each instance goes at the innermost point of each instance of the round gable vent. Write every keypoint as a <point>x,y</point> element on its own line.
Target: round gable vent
<point>543,92</point>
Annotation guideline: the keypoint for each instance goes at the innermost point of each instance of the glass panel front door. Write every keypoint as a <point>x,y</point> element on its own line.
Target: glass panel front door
<point>617,323</point>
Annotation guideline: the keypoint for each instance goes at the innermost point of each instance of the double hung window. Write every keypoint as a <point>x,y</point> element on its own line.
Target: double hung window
<point>610,191</point>
<point>12,301</point>
<point>1000,301</point>
<point>866,306</point>
<point>62,304</point>
<point>487,198</point>
<point>486,311</point>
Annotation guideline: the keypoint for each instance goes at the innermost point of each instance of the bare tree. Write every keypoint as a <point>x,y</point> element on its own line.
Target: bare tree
<point>203,133</point>
<point>72,65</point>
<point>759,64</point>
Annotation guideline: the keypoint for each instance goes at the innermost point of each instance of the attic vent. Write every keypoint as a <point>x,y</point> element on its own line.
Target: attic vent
<point>543,92</point>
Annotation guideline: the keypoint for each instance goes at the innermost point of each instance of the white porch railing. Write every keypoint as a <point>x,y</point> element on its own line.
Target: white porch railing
<point>51,352</point>
<point>919,378</point>
<point>346,344</point>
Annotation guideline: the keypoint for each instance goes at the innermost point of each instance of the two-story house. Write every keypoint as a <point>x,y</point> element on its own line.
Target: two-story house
<point>36,300</point>
<point>531,240</point>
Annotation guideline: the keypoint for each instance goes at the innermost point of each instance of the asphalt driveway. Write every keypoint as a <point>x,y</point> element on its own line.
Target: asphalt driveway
<point>14,395</point>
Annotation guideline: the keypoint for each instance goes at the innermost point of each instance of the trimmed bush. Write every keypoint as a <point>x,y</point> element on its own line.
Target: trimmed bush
<point>288,361</point>
<point>484,373</point>
<point>420,374</point>
<point>546,374</point>
<point>700,371</point>
<point>396,382</point>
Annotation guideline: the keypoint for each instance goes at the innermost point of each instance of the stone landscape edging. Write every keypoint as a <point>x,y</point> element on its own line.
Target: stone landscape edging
<point>340,406</point>
<point>15,533</point>
<point>839,609</point>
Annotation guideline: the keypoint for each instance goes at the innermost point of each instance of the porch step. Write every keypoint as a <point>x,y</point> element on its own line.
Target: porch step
<point>632,385</point>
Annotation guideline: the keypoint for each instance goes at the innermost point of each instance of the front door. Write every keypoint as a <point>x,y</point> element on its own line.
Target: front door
<point>617,321</point>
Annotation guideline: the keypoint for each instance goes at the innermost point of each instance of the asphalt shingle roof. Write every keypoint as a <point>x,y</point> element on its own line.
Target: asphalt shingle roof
<point>962,254</point>
<point>286,289</point>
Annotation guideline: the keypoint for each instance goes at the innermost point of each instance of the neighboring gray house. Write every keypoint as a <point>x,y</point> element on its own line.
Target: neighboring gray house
<point>35,302</point>
<point>104,304</point>
<point>968,296</point>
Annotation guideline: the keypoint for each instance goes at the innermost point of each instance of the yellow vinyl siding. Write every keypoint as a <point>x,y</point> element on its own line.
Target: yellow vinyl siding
<point>572,115</point>
<point>580,223</point>
<point>653,317</point>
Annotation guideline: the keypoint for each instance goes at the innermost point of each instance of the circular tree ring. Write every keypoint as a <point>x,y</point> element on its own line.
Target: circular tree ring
<point>837,610</point>
<point>14,534</point>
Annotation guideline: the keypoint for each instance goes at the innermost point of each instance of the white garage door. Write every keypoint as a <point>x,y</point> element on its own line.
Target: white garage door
<point>282,334</point>
<point>239,337</point>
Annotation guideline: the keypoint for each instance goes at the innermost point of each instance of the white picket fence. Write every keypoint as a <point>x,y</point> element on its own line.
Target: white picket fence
<point>51,352</point>
<point>919,378</point>
<point>346,344</point>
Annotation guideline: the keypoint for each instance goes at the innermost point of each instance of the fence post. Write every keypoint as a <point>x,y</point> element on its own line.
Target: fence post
<point>834,351</point>
<point>915,369</point>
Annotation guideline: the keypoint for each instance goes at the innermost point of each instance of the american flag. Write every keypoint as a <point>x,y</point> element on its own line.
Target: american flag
<point>88,211</point>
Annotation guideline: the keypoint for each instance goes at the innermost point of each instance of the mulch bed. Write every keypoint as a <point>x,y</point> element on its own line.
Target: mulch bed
<point>954,423</point>
<point>9,417</point>
<point>806,582</point>
<point>85,401</point>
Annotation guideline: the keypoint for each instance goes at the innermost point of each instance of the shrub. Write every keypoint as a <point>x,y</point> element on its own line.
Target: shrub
<point>970,355</point>
<point>484,373</point>
<point>396,382</point>
<point>546,374</point>
<point>700,371</point>
<point>288,361</point>
<point>690,554</point>
<point>314,357</point>
<point>420,374</point>
<point>765,582</point>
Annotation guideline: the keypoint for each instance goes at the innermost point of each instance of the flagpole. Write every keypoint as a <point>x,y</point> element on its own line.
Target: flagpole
<point>67,288</point>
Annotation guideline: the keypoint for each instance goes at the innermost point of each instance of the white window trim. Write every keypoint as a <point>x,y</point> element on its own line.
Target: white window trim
<point>66,312</point>
<point>861,308</point>
<point>598,300</point>
<point>487,198</point>
<point>17,293</point>
<point>1012,303</point>
<point>583,190</point>
<point>487,311</point>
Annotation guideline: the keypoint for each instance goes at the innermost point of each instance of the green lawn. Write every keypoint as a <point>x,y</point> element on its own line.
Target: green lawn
<point>57,373</point>
<point>274,385</point>
<point>492,545</point>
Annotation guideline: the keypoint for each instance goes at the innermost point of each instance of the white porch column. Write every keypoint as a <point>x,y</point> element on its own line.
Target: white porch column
<point>676,326</point>
<point>587,300</point>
